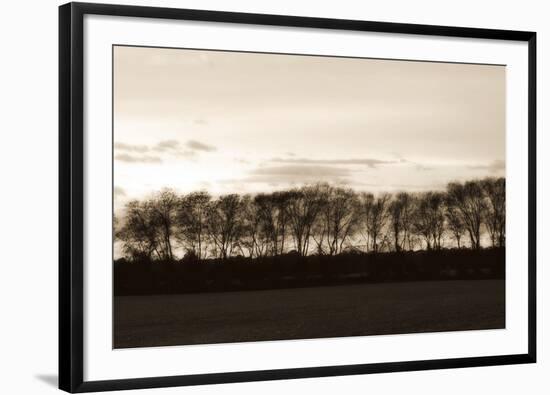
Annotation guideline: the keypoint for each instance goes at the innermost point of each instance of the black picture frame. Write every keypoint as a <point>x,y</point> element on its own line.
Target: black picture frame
<point>71,181</point>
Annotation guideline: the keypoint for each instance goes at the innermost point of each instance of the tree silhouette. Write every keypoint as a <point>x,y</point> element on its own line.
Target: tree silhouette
<point>455,223</point>
<point>332,217</point>
<point>469,200</point>
<point>375,212</point>
<point>272,212</point>
<point>304,205</point>
<point>429,219</point>
<point>192,213</point>
<point>401,210</point>
<point>163,208</point>
<point>495,213</point>
<point>339,216</point>
<point>224,223</point>
<point>253,238</point>
<point>139,232</point>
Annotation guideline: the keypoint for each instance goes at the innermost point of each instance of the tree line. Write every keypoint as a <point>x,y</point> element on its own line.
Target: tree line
<point>314,219</point>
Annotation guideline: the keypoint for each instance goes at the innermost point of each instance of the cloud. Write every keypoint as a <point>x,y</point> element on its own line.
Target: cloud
<point>421,167</point>
<point>138,158</point>
<point>416,187</point>
<point>417,165</point>
<point>167,145</point>
<point>303,171</point>
<point>185,154</point>
<point>197,145</point>
<point>164,147</point>
<point>131,147</point>
<point>292,174</point>
<point>372,163</point>
<point>200,121</point>
<point>495,166</point>
<point>119,192</point>
<point>174,146</point>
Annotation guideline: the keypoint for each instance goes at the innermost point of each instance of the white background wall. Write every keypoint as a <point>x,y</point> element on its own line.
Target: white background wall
<point>28,201</point>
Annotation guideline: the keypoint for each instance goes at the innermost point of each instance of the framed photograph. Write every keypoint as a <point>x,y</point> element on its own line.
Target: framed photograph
<point>251,197</point>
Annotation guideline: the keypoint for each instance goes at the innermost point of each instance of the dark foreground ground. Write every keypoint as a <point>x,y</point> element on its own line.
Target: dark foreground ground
<point>290,270</point>
<point>335,311</point>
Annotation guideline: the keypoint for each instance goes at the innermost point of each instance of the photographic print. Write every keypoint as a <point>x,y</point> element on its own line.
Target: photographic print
<point>263,197</point>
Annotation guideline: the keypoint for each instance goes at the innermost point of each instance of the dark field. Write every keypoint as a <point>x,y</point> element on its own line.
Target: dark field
<point>316,312</point>
<point>291,270</point>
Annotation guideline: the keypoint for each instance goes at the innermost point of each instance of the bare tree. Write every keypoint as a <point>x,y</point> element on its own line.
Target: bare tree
<point>495,214</point>
<point>253,237</point>
<point>455,224</point>
<point>281,201</point>
<point>408,202</point>
<point>400,212</point>
<point>304,205</point>
<point>365,202</point>
<point>138,231</point>
<point>164,205</point>
<point>430,218</point>
<point>469,200</point>
<point>319,229</point>
<point>272,210</point>
<point>375,213</point>
<point>338,218</point>
<point>192,214</point>
<point>332,217</point>
<point>267,218</point>
<point>224,221</point>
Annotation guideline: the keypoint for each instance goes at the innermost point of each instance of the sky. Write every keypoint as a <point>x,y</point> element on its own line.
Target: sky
<point>233,122</point>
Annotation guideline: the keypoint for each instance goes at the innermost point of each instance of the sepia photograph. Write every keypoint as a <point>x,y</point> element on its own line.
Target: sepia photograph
<point>268,197</point>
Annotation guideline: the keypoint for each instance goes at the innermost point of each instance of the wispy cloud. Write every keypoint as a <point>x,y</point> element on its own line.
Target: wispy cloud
<point>131,147</point>
<point>197,145</point>
<point>495,166</point>
<point>370,162</point>
<point>173,147</point>
<point>138,158</point>
<point>167,145</point>
<point>119,192</point>
<point>297,174</point>
<point>152,153</point>
<point>417,165</point>
<point>422,167</point>
<point>304,171</point>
